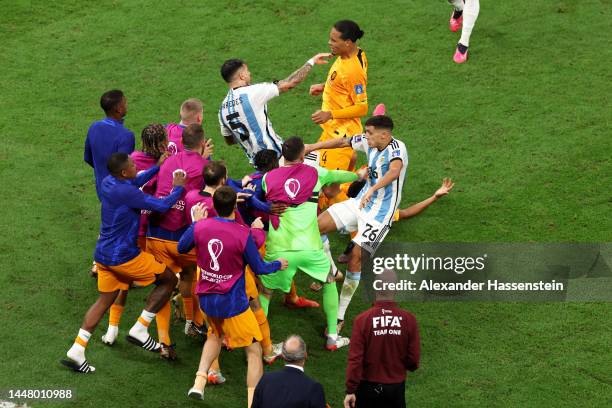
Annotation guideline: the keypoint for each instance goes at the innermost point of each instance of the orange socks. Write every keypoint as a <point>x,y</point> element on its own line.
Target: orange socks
<point>162,318</point>
<point>264,327</point>
<point>115,315</point>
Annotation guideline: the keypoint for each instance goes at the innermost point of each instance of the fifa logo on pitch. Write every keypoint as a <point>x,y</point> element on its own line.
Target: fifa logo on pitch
<point>292,187</point>
<point>215,247</point>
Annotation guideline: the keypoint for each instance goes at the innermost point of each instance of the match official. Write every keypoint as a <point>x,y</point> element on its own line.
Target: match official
<point>384,344</point>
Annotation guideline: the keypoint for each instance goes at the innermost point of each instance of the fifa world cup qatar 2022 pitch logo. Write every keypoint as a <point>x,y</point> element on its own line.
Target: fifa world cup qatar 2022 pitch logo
<point>215,247</point>
<point>292,187</point>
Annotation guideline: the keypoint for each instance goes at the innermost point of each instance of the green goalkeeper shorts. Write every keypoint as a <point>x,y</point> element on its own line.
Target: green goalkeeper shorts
<point>314,263</point>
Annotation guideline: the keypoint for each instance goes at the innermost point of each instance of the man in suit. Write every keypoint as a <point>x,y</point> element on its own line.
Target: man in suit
<point>289,388</point>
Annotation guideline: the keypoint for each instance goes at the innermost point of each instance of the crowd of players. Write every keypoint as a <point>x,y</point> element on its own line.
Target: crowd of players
<point>172,216</point>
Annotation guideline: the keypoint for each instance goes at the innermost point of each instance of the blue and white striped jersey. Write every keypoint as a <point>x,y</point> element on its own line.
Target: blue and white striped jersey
<point>385,200</point>
<point>243,115</point>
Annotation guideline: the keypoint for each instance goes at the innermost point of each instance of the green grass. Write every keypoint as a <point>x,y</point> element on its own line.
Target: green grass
<point>523,128</point>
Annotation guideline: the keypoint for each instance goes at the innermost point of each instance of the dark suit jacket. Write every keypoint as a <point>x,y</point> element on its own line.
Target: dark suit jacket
<point>288,388</point>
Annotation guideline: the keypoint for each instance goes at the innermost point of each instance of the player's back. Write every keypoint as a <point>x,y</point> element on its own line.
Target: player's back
<point>175,137</point>
<point>243,115</point>
<point>192,163</point>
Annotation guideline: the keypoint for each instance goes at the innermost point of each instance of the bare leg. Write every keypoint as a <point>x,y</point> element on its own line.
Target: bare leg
<point>254,369</point>
<point>165,282</point>
<point>97,310</point>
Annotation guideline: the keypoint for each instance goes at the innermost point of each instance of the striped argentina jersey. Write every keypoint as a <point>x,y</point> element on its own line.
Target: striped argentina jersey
<point>243,116</point>
<point>385,200</point>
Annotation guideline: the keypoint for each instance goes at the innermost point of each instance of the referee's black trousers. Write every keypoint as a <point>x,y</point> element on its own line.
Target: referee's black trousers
<point>373,395</point>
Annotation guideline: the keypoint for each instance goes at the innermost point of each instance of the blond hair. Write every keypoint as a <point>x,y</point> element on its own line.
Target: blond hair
<point>190,109</point>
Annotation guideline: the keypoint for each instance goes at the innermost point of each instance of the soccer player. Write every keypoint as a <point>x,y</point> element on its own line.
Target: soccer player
<point>120,261</point>
<point>345,99</point>
<point>243,115</point>
<point>371,212</point>
<point>154,142</point>
<point>166,229</point>
<point>108,136</point>
<point>223,249</point>
<point>192,112</point>
<point>464,16</point>
<point>295,234</point>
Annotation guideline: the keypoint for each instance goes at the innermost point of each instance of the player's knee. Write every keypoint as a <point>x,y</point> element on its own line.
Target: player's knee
<point>167,278</point>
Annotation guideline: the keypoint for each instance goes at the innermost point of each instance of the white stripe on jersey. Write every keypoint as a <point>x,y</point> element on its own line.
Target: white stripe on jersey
<point>243,115</point>
<point>385,200</point>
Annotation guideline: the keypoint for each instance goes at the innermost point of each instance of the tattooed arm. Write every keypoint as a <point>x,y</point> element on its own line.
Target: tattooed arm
<point>299,75</point>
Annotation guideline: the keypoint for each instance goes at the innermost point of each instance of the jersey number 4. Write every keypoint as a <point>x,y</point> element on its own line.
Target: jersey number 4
<point>238,126</point>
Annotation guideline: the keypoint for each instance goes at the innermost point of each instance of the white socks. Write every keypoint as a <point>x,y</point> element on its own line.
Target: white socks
<point>351,281</point>
<point>327,251</point>
<point>470,14</point>
<point>77,351</point>
<point>140,330</point>
<point>111,334</point>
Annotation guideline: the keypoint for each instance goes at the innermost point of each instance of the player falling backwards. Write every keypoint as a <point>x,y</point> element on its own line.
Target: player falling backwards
<point>371,212</point>
<point>120,262</point>
<point>243,115</point>
<point>295,235</point>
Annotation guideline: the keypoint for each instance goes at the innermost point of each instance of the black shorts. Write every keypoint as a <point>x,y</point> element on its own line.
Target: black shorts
<point>380,395</point>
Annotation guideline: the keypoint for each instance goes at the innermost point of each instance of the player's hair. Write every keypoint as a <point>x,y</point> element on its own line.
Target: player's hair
<point>265,160</point>
<point>110,100</point>
<point>193,135</point>
<point>154,140</point>
<point>349,30</point>
<point>224,200</point>
<point>294,356</point>
<point>230,67</point>
<point>214,172</point>
<point>293,148</point>
<point>117,162</point>
<point>380,122</point>
<point>190,109</point>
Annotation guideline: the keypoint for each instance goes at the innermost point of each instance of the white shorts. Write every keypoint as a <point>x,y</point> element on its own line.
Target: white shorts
<point>348,217</point>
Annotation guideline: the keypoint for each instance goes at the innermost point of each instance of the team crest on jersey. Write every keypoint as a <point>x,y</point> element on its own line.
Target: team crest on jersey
<point>333,75</point>
<point>215,247</point>
<point>358,89</point>
<point>292,187</point>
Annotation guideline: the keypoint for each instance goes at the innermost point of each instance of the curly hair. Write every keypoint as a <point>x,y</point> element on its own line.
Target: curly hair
<point>154,140</point>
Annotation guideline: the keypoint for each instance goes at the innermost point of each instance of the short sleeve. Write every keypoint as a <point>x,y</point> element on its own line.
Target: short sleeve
<point>263,92</point>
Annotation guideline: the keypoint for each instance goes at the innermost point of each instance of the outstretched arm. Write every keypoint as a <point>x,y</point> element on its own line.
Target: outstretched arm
<point>300,74</point>
<point>416,209</point>
<point>328,144</point>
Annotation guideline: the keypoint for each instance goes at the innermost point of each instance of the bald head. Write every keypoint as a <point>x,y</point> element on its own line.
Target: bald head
<point>294,350</point>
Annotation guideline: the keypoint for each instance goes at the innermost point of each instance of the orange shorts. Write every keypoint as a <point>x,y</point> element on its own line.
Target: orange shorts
<point>250,284</point>
<point>335,159</point>
<point>141,270</point>
<point>167,252</point>
<point>239,331</point>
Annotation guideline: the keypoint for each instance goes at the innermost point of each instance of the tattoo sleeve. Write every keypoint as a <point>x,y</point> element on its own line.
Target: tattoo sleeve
<point>295,78</point>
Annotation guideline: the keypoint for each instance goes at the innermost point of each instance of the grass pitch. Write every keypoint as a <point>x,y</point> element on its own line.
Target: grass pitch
<point>523,128</point>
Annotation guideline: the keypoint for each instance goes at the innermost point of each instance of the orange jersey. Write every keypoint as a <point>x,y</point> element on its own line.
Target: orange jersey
<point>325,202</point>
<point>345,86</point>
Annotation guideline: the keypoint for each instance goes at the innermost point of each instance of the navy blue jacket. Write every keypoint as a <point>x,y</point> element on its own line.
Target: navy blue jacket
<point>288,388</point>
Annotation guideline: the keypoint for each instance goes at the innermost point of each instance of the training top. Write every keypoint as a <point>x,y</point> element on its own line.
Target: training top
<point>223,249</point>
<point>144,162</point>
<point>243,116</point>
<point>298,186</point>
<point>385,200</point>
<point>105,137</point>
<point>345,86</point>
<point>384,344</point>
<point>122,201</point>
<point>175,137</point>
<point>170,225</point>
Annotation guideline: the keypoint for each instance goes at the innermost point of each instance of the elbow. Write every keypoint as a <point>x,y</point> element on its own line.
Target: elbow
<point>363,109</point>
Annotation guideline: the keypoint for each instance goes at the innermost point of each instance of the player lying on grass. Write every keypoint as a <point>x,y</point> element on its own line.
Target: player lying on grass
<point>295,234</point>
<point>243,115</point>
<point>334,190</point>
<point>120,262</point>
<point>224,248</point>
<point>370,214</point>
